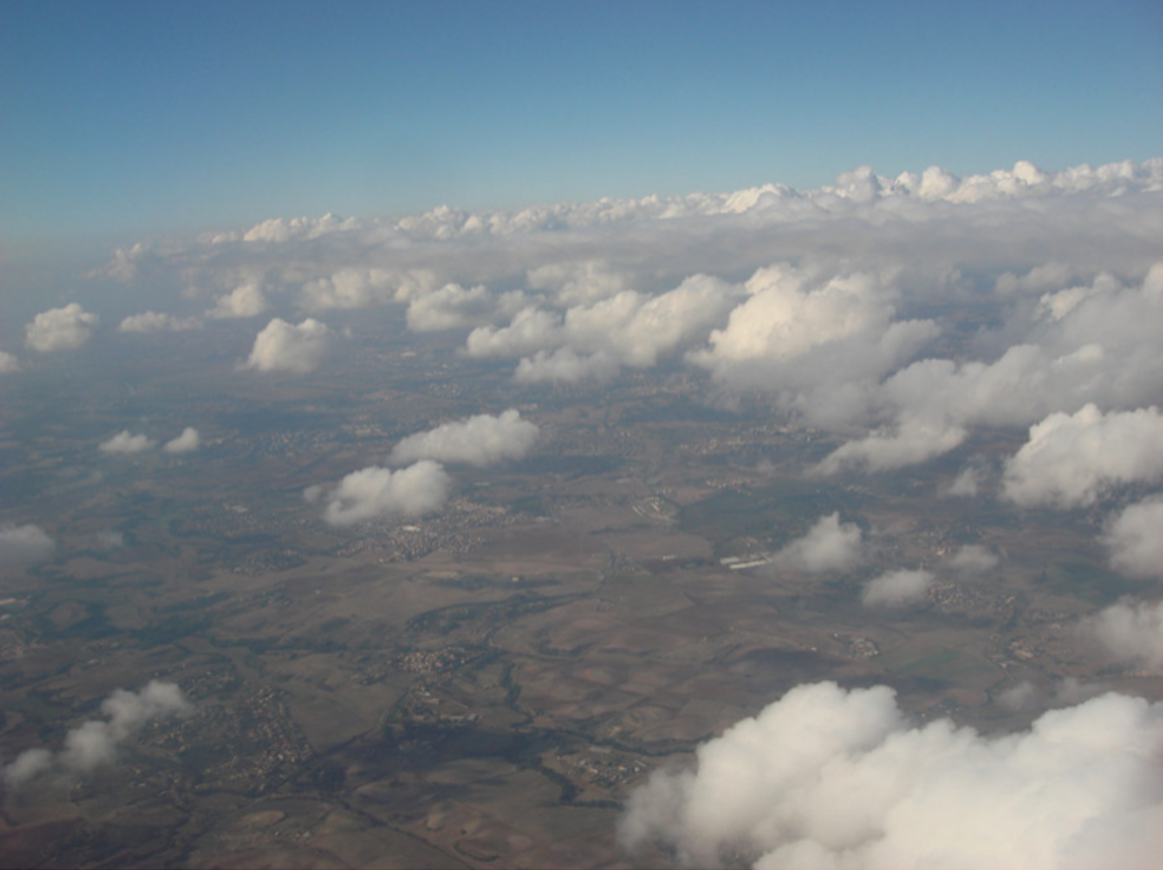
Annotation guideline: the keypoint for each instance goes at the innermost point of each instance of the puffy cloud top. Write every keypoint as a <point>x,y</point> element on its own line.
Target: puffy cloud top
<point>94,743</point>
<point>480,440</point>
<point>829,545</point>
<point>61,328</point>
<point>1133,632</point>
<point>246,300</point>
<point>1135,539</point>
<point>188,441</point>
<point>24,545</point>
<point>283,347</point>
<point>126,442</point>
<point>897,588</point>
<point>831,778</point>
<point>1071,460</point>
<point>375,492</point>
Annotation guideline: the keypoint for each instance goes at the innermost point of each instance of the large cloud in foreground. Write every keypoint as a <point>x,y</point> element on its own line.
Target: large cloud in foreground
<point>375,492</point>
<point>480,440</point>
<point>826,777</point>
<point>1071,460</point>
<point>283,347</point>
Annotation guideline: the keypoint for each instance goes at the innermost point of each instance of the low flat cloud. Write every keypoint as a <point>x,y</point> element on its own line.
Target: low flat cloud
<point>374,492</point>
<point>187,442</point>
<point>24,545</point>
<point>1132,631</point>
<point>829,545</point>
<point>1071,460</point>
<point>283,347</point>
<point>94,743</point>
<point>481,440</point>
<point>125,442</point>
<point>827,777</point>
<point>153,321</point>
<point>897,588</point>
<point>1134,539</point>
<point>64,328</point>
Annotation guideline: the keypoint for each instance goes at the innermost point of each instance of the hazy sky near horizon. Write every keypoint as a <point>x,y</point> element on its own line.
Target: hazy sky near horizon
<point>123,119</point>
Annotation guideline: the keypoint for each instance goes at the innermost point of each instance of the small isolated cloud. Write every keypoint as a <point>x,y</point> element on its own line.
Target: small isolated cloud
<point>311,493</point>
<point>24,545</point>
<point>94,743</point>
<point>108,539</point>
<point>8,363</point>
<point>897,588</point>
<point>152,321</point>
<point>973,559</point>
<point>966,484</point>
<point>480,440</point>
<point>826,777</point>
<point>125,442</point>
<point>1133,632</point>
<point>1072,460</point>
<point>245,301</point>
<point>374,492</point>
<point>829,545</point>
<point>188,441</point>
<point>60,328</point>
<point>1135,539</point>
<point>283,347</point>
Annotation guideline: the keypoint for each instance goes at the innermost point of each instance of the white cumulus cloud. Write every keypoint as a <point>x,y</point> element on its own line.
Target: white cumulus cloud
<point>24,545</point>
<point>1132,631</point>
<point>1134,539</point>
<point>283,347</point>
<point>829,545</point>
<point>188,441</point>
<point>480,440</point>
<point>8,363</point>
<point>126,442</point>
<point>61,328</point>
<point>94,743</point>
<point>897,588</point>
<point>246,300</point>
<point>1071,460</point>
<point>973,559</point>
<point>829,778</point>
<point>374,492</point>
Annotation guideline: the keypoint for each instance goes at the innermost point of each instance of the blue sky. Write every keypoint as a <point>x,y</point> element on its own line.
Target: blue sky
<point>123,119</point>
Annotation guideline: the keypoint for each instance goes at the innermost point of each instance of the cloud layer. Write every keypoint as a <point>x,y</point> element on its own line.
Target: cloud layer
<point>826,777</point>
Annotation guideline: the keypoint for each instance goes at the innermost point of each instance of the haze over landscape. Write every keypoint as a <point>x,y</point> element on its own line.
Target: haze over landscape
<point>527,504</point>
